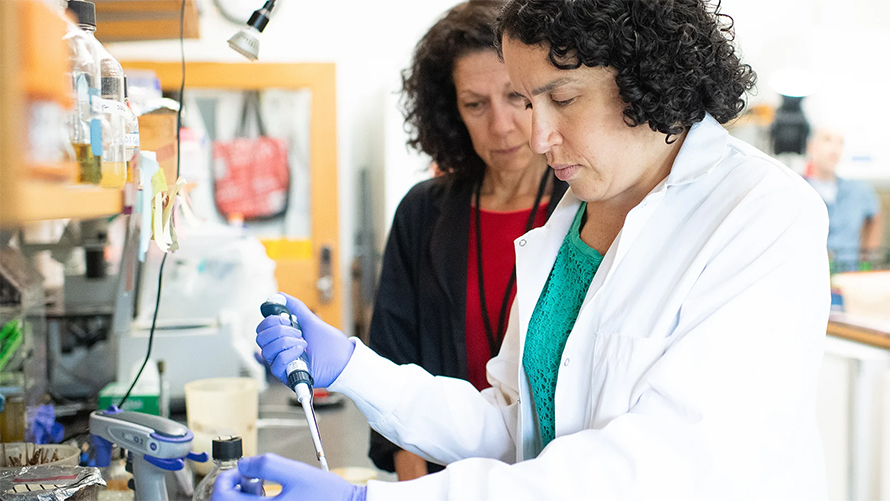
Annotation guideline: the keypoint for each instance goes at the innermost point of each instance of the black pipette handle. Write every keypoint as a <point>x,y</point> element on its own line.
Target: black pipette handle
<point>298,370</point>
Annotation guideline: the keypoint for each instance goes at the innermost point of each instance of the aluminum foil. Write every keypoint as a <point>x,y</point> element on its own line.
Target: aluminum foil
<point>50,483</point>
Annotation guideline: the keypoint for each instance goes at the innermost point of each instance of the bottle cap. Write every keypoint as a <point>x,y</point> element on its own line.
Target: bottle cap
<point>85,12</point>
<point>226,448</point>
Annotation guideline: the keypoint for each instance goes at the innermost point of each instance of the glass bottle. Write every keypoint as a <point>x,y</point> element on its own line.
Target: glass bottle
<point>114,147</point>
<point>106,132</point>
<point>84,87</point>
<point>226,451</point>
<point>131,140</point>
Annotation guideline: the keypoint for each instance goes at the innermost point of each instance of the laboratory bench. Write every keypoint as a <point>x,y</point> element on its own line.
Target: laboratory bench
<point>282,429</point>
<point>860,329</point>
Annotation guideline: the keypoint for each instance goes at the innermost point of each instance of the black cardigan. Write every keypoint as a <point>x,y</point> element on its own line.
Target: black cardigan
<point>420,309</point>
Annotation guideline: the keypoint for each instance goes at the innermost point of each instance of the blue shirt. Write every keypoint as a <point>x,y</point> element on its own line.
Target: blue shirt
<point>855,202</point>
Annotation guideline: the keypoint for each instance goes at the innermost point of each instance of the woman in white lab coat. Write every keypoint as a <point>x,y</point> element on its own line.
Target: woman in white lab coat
<point>668,326</point>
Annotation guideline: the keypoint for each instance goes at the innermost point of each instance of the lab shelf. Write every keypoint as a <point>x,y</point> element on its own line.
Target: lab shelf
<point>131,20</point>
<point>33,66</point>
<point>39,200</point>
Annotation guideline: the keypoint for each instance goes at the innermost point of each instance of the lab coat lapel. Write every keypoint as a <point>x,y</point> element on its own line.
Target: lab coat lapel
<point>535,254</point>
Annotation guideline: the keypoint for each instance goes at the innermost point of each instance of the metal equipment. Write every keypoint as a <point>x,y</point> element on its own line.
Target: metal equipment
<point>156,445</point>
<point>298,377</point>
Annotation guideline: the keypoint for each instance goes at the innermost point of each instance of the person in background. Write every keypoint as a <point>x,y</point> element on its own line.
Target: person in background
<point>451,242</point>
<point>669,321</point>
<point>855,227</point>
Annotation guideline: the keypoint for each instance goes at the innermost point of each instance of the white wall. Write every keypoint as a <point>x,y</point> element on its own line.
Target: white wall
<point>842,43</point>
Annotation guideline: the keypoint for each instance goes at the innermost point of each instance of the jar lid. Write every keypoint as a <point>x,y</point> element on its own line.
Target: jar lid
<point>226,448</point>
<point>85,12</point>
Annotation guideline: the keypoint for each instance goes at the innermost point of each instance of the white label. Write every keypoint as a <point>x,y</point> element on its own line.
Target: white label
<point>94,100</point>
<point>112,107</point>
<point>132,140</point>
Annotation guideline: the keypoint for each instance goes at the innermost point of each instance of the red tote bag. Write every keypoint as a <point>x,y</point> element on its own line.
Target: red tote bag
<point>251,175</point>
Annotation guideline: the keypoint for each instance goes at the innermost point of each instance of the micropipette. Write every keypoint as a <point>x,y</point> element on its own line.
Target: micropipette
<point>298,377</point>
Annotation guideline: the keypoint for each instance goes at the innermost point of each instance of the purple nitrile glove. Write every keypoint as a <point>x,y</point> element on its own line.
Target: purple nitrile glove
<point>299,481</point>
<point>327,349</point>
<point>44,429</point>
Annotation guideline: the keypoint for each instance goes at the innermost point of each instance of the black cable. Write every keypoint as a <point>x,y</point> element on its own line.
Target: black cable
<point>154,319</point>
<point>151,334</point>
<point>228,16</point>
<point>181,84</point>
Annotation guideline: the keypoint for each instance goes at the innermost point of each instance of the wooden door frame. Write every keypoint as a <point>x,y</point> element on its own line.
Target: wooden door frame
<point>294,275</point>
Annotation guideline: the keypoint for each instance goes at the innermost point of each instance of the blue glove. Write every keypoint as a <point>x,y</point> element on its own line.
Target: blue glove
<point>328,350</point>
<point>299,481</point>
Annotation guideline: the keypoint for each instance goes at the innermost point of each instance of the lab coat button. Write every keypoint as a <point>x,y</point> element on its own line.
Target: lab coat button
<point>566,363</point>
<point>522,243</point>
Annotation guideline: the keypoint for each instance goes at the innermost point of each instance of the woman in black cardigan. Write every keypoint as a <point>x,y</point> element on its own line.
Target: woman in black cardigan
<point>447,280</point>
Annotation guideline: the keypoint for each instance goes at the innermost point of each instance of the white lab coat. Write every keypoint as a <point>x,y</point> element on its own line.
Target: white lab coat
<point>690,372</point>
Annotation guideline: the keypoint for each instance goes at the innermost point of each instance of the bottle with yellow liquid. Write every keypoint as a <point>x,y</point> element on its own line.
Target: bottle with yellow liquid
<point>108,111</point>
<point>114,147</point>
<point>89,169</point>
<point>84,86</point>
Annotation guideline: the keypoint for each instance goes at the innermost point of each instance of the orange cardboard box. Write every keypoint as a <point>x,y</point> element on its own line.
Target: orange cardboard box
<point>157,133</point>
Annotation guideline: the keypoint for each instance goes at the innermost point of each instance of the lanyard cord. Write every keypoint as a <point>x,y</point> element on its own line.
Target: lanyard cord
<point>494,343</point>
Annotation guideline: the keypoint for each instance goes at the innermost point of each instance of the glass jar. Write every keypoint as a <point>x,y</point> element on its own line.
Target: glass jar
<point>226,451</point>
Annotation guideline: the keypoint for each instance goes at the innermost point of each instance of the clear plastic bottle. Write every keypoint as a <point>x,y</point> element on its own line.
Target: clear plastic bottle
<point>84,86</point>
<point>114,146</point>
<point>226,451</point>
<point>107,131</point>
<point>131,140</point>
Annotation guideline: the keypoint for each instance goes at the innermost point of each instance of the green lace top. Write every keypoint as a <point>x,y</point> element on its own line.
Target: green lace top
<point>553,319</point>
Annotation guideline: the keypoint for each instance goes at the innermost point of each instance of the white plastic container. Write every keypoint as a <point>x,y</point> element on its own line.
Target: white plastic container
<point>22,451</point>
<point>222,407</point>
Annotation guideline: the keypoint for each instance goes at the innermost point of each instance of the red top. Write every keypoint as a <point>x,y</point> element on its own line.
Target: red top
<point>499,230</point>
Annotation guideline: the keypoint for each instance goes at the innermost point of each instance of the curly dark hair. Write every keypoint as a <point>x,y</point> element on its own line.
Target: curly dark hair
<point>675,59</point>
<point>429,98</point>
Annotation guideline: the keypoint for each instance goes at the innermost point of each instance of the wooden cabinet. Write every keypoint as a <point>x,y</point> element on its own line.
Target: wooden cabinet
<point>34,69</point>
<point>129,20</point>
